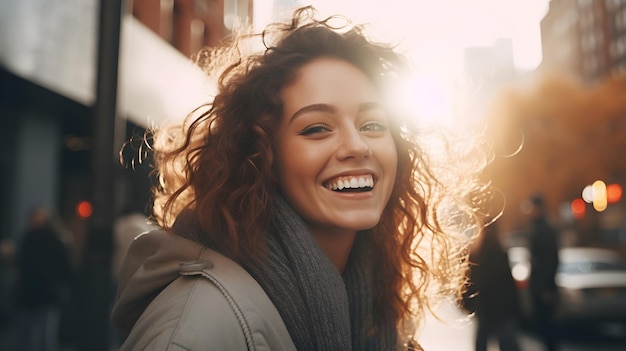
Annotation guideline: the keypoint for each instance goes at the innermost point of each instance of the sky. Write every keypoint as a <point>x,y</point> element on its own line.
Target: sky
<point>437,31</point>
<point>434,34</point>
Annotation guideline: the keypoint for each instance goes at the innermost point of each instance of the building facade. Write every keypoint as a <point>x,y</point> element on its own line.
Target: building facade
<point>487,69</point>
<point>585,38</point>
<point>48,79</point>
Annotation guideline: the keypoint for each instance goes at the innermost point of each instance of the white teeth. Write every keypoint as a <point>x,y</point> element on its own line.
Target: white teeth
<point>351,182</point>
<point>362,182</point>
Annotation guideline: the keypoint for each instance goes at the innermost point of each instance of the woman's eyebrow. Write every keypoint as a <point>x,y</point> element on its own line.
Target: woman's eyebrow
<point>314,108</point>
<point>366,106</point>
<point>327,108</point>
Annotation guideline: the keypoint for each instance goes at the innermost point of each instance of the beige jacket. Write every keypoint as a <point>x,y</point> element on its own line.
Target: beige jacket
<point>175,294</point>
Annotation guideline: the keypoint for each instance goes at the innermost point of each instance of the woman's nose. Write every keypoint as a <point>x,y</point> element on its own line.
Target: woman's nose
<point>352,144</point>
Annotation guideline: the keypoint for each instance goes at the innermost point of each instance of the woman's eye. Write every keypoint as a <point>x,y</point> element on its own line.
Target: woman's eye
<point>315,129</point>
<point>374,127</point>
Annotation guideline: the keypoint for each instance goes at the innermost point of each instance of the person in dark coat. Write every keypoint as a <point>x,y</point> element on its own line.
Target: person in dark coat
<point>492,294</point>
<point>44,273</point>
<point>543,246</point>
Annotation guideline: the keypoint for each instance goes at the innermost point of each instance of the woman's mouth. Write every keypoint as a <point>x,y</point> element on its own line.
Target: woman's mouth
<point>358,183</point>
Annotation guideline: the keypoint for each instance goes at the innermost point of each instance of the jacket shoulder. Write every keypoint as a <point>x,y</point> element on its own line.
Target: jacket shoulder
<point>214,304</point>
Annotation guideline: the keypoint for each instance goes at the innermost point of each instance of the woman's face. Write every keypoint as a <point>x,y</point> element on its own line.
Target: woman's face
<point>336,157</point>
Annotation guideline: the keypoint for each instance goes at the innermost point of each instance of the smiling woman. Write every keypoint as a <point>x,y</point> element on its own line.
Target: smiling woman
<point>338,137</point>
<point>299,209</point>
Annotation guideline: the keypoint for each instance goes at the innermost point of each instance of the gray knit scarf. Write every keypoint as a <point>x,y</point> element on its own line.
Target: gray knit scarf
<point>322,309</point>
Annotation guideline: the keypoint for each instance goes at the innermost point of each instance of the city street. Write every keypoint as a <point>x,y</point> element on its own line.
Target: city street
<point>456,332</point>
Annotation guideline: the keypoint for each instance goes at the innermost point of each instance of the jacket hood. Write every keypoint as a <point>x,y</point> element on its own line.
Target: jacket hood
<point>152,262</point>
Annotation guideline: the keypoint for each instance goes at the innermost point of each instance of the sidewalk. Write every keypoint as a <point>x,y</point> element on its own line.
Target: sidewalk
<point>456,332</point>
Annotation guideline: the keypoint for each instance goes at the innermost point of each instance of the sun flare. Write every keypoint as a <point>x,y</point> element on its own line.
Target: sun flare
<point>434,34</point>
<point>426,98</point>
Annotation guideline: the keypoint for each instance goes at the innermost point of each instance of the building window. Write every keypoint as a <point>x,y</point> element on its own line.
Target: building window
<point>197,35</point>
<point>598,38</point>
<point>167,26</point>
<point>201,7</point>
<point>588,42</point>
<point>586,19</point>
<point>613,50</point>
<point>590,65</point>
<point>617,50</point>
<point>618,19</point>
<point>236,13</point>
<point>614,4</point>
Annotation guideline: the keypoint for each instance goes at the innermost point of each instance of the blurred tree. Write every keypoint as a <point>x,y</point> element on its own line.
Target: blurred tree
<point>555,136</point>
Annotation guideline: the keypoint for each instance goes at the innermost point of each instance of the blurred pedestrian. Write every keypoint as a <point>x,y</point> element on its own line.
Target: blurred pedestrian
<point>7,256</point>
<point>493,295</point>
<point>44,273</point>
<point>544,255</point>
<point>299,209</point>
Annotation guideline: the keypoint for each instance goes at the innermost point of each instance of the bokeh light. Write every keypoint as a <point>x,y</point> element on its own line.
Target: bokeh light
<point>599,195</point>
<point>579,208</point>
<point>588,194</point>
<point>84,209</point>
<point>613,193</point>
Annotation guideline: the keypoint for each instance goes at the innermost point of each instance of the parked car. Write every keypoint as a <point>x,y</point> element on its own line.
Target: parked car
<point>591,282</point>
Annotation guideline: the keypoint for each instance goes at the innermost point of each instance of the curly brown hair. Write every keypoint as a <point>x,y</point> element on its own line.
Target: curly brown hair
<point>220,164</point>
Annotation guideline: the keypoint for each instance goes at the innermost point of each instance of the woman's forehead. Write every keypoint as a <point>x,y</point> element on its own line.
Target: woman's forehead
<point>328,81</point>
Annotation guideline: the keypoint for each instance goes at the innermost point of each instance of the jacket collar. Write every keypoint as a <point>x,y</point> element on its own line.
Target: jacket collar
<point>152,262</point>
